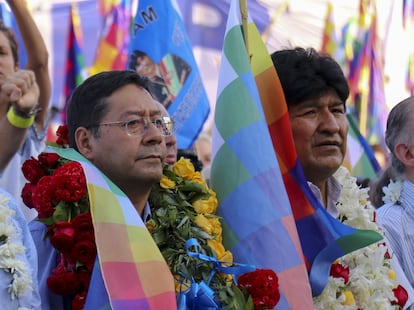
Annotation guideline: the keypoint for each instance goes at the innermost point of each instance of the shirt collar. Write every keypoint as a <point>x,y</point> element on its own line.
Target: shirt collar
<point>333,188</point>
<point>146,214</point>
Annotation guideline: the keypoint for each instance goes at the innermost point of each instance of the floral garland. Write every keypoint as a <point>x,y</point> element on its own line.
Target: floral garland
<point>183,208</point>
<point>392,191</point>
<point>10,248</point>
<point>362,279</point>
<point>57,190</point>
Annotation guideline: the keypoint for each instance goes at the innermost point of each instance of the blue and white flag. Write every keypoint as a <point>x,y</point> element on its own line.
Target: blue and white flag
<point>160,50</point>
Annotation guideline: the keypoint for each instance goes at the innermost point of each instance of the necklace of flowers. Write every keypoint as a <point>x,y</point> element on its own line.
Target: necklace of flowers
<point>362,279</point>
<point>183,216</point>
<point>57,189</point>
<point>10,248</point>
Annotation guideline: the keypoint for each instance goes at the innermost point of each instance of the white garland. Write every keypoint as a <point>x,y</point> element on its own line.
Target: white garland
<point>369,271</point>
<point>10,248</point>
<point>392,191</point>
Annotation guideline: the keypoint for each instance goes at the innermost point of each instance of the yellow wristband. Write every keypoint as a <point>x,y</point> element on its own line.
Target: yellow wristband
<point>18,121</point>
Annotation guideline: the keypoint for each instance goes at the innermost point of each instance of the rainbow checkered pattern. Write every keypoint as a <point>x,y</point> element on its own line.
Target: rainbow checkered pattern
<point>258,227</point>
<point>131,274</point>
<point>261,198</point>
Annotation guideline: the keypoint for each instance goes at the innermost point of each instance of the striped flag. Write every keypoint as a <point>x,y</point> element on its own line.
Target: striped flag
<point>330,43</point>
<point>75,63</point>
<point>112,50</point>
<point>131,274</point>
<point>258,227</point>
<point>409,82</point>
<point>250,183</point>
<point>360,159</point>
<point>160,49</point>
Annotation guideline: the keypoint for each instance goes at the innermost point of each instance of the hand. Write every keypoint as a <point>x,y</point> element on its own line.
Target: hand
<point>21,90</point>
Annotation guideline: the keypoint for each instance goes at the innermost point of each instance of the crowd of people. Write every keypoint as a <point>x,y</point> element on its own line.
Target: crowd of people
<point>117,125</point>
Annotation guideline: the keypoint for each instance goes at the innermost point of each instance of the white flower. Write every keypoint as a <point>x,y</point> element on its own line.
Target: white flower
<point>392,191</point>
<point>10,248</point>
<point>369,280</point>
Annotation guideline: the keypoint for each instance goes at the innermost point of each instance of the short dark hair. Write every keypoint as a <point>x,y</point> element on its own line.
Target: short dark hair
<point>88,105</point>
<point>306,74</point>
<point>14,46</point>
<point>397,131</point>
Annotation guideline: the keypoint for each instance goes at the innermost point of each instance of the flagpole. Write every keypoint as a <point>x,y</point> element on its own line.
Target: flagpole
<point>243,11</point>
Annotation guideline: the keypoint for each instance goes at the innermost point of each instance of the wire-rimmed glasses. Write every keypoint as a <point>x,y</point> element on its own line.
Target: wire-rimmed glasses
<point>138,126</point>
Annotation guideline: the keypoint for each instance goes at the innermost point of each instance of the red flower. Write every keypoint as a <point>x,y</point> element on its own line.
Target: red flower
<point>263,287</point>
<point>84,252</point>
<point>70,182</point>
<point>84,227</point>
<point>78,302</point>
<point>63,282</point>
<point>43,197</point>
<point>402,296</point>
<point>32,170</point>
<point>49,160</point>
<point>27,193</point>
<point>340,271</point>
<point>63,237</point>
<point>62,134</point>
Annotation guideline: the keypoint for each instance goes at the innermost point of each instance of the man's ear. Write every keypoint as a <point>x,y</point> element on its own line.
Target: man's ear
<point>83,140</point>
<point>405,153</point>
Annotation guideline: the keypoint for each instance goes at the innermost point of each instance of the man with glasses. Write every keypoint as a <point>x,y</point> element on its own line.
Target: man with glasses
<point>114,122</point>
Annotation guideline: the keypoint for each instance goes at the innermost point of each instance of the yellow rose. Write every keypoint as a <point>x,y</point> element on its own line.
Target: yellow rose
<point>349,298</point>
<point>222,254</point>
<point>203,222</point>
<point>216,229</point>
<point>166,182</point>
<point>196,177</point>
<point>206,206</point>
<point>184,168</point>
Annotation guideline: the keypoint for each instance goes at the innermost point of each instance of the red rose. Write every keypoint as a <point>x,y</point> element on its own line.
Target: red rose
<point>63,282</point>
<point>340,271</point>
<point>43,197</point>
<point>27,193</point>
<point>32,170</point>
<point>70,182</point>
<point>49,160</point>
<point>62,135</point>
<point>85,253</point>
<point>263,286</point>
<point>402,296</point>
<point>78,302</point>
<point>63,237</point>
<point>84,227</point>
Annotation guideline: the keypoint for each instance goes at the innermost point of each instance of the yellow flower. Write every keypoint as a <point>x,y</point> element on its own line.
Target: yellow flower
<point>184,168</point>
<point>197,177</point>
<point>150,226</point>
<point>203,222</point>
<point>206,206</point>
<point>392,275</point>
<point>216,229</point>
<point>349,298</point>
<point>222,254</point>
<point>181,284</point>
<point>166,182</point>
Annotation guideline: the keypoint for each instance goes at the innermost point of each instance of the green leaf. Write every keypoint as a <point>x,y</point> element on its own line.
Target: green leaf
<point>62,212</point>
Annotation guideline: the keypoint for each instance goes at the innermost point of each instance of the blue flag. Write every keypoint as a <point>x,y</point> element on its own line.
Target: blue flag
<point>160,50</point>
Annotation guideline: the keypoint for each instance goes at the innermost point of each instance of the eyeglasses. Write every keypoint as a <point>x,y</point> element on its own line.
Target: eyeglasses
<point>138,126</point>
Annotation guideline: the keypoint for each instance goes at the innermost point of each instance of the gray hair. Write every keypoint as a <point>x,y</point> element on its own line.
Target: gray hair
<point>397,130</point>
